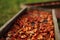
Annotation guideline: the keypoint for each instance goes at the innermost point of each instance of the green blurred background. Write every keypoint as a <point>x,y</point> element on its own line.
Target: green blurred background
<point>8,8</point>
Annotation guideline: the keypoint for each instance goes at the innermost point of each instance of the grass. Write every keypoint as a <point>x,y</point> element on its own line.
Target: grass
<point>8,8</point>
<point>58,22</point>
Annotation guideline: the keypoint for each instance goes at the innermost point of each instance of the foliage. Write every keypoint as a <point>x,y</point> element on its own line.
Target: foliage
<point>8,8</point>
